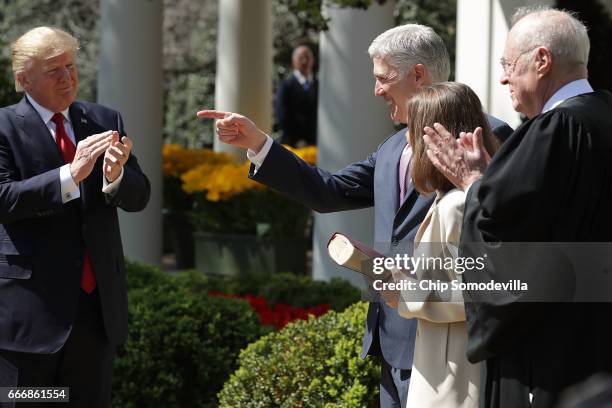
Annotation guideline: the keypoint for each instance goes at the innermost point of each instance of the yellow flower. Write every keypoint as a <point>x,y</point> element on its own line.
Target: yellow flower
<point>177,160</point>
<point>306,153</point>
<point>216,174</point>
<point>220,182</point>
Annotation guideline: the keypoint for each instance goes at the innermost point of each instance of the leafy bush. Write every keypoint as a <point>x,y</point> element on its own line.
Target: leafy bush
<point>285,288</point>
<point>182,344</point>
<point>311,363</point>
<point>140,276</point>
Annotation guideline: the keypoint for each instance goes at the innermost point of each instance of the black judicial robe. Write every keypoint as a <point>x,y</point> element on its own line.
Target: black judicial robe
<point>550,182</point>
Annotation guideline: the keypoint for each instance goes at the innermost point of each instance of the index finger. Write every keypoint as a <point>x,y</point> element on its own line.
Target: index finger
<point>99,136</point>
<point>443,132</point>
<point>431,137</point>
<point>212,114</point>
<point>478,141</point>
<point>127,142</point>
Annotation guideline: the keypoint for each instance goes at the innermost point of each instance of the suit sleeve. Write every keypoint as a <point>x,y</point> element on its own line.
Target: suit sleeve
<point>135,189</point>
<point>500,128</point>
<point>349,189</point>
<point>21,198</point>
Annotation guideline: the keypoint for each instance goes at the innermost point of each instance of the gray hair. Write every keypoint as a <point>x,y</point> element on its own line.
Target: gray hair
<point>559,31</point>
<point>410,44</point>
<point>39,43</point>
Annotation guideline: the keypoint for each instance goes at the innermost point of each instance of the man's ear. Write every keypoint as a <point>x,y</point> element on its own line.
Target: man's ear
<point>22,80</point>
<point>420,74</point>
<point>544,61</point>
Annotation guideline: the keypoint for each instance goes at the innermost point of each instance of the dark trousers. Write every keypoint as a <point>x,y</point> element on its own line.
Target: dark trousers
<point>394,383</point>
<point>84,363</point>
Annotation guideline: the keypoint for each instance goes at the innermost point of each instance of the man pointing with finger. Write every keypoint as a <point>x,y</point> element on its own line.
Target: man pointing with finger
<point>404,59</point>
<point>65,167</point>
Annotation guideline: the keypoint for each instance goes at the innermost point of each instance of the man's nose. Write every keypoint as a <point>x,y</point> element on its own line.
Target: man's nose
<point>64,74</point>
<point>504,78</point>
<point>378,90</point>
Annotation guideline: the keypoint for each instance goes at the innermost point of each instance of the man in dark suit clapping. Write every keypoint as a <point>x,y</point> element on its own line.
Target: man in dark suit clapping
<point>65,168</point>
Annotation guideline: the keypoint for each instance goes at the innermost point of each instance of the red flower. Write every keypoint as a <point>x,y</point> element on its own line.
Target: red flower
<point>279,315</point>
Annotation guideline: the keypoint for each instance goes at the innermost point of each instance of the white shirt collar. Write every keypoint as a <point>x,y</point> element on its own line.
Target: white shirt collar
<point>301,78</point>
<point>567,91</point>
<point>45,113</point>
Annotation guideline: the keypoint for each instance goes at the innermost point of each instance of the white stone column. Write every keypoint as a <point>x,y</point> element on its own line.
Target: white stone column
<point>244,63</point>
<point>482,27</point>
<point>130,81</point>
<point>351,120</point>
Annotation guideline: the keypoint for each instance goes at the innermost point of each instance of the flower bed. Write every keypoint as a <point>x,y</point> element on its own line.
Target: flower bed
<point>278,315</point>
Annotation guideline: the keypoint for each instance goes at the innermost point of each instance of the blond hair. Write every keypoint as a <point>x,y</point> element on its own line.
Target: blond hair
<point>41,43</point>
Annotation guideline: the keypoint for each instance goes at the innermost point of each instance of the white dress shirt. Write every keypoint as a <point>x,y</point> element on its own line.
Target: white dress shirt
<point>258,158</point>
<point>69,189</point>
<point>301,78</point>
<point>567,91</point>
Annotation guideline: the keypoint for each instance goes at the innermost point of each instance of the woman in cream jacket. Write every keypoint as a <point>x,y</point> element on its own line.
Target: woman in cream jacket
<point>441,375</point>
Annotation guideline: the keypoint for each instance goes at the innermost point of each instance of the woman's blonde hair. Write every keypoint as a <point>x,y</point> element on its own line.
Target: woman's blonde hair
<point>458,109</point>
<point>39,43</point>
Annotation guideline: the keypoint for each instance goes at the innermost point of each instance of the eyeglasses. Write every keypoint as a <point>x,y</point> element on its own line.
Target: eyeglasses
<point>508,67</point>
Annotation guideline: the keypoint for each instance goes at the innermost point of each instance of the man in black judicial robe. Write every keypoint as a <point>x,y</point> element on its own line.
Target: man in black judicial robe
<point>550,182</point>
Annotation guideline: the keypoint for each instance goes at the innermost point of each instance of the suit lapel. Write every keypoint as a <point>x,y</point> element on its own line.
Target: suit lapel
<point>32,126</point>
<point>80,124</point>
<point>80,121</point>
<point>395,163</point>
<point>412,205</point>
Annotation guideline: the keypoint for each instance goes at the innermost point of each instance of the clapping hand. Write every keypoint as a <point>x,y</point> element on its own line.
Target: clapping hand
<point>462,161</point>
<point>116,155</point>
<point>87,152</point>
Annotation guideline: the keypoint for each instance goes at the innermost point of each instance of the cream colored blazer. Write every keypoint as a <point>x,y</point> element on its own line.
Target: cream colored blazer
<point>441,375</point>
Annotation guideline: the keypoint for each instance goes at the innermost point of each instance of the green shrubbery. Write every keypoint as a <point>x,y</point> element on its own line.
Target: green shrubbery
<point>183,344</point>
<point>311,363</point>
<point>286,288</point>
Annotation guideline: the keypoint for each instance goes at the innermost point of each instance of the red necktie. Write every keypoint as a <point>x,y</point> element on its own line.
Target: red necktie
<point>67,148</point>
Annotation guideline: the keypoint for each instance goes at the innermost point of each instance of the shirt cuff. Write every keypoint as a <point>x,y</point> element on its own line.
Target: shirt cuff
<point>111,188</point>
<point>258,158</point>
<point>70,190</point>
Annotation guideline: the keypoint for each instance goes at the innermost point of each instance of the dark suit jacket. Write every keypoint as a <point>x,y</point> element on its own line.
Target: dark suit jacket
<point>42,241</point>
<point>296,111</point>
<point>372,182</point>
<point>550,182</point>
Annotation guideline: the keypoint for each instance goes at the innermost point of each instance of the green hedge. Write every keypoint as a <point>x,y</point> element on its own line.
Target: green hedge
<point>286,288</point>
<point>182,344</point>
<point>310,364</point>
